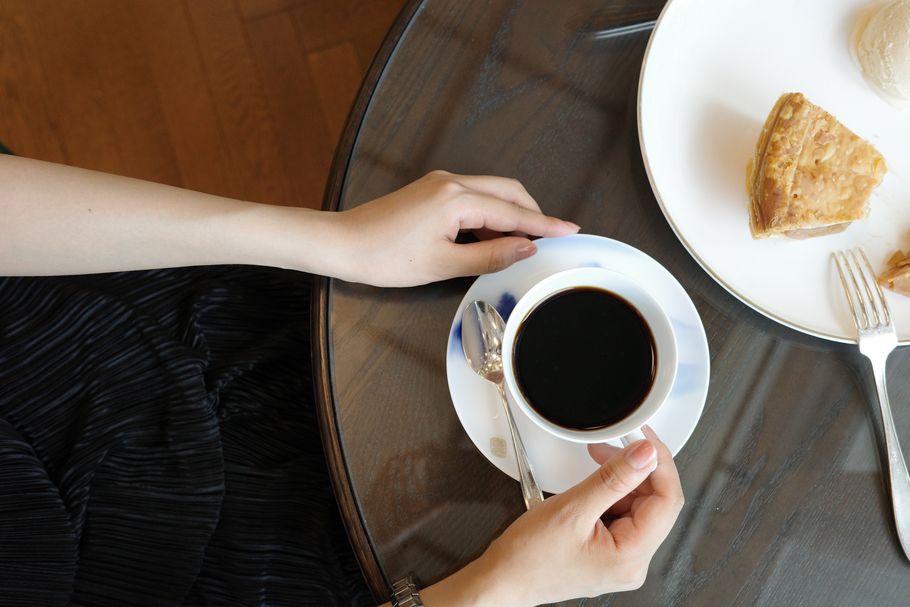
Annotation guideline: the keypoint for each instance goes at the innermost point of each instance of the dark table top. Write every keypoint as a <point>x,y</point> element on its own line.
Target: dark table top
<point>786,502</point>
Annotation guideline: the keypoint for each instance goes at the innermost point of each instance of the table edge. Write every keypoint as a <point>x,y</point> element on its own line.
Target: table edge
<point>351,515</point>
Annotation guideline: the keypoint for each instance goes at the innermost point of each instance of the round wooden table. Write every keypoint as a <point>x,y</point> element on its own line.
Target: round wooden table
<point>786,502</point>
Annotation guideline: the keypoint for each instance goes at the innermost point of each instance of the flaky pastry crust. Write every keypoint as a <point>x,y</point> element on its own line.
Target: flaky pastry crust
<point>897,276</point>
<point>810,174</point>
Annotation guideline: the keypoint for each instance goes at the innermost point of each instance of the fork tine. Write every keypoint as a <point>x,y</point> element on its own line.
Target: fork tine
<point>840,260</point>
<point>873,308</point>
<point>883,303</point>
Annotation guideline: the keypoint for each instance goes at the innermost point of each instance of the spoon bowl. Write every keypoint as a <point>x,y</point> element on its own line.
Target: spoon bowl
<point>481,337</point>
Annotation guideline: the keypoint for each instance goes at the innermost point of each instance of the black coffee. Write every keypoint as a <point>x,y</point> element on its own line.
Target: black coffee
<point>584,358</point>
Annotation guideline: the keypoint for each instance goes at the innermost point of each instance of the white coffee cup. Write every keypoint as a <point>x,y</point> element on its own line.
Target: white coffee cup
<point>629,428</point>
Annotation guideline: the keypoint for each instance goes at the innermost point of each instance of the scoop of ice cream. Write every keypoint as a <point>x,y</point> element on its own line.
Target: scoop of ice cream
<point>882,48</point>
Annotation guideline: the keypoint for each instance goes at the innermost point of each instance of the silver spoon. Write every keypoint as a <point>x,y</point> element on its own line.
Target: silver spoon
<point>481,337</point>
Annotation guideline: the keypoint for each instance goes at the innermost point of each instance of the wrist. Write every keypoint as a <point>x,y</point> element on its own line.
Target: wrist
<point>289,237</point>
<point>478,583</point>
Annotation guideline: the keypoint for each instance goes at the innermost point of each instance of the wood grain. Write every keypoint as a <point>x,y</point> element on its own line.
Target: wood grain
<point>254,9</point>
<point>29,118</point>
<point>130,94</point>
<point>239,100</point>
<point>337,72</point>
<point>783,476</point>
<point>304,146</point>
<point>326,24</point>
<point>187,105</point>
<point>75,85</point>
<point>219,96</point>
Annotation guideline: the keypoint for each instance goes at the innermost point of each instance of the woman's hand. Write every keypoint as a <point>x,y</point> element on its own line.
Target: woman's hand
<point>408,237</point>
<point>595,538</point>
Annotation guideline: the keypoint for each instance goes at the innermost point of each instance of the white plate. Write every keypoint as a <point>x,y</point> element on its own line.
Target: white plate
<point>559,464</point>
<point>712,72</point>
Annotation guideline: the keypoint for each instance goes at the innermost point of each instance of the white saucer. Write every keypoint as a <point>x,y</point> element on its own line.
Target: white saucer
<point>560,464</point>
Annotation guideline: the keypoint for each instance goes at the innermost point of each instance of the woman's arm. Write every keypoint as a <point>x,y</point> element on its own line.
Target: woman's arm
<point>56,219</point>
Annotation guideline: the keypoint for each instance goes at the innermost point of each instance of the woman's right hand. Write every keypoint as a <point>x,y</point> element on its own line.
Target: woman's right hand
<point>595,538</point>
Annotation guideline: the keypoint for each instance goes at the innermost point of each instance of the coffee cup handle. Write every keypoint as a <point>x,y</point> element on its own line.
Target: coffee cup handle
<point>631,437</point>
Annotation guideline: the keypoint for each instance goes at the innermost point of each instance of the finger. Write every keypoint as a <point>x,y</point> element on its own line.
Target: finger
<point>483,211</point>
<point>601,452</point>
<point>652,520</point>
<point>665,479</point>
<point>655,515</point>
<point>615,479</point>
<point>488,256</point>
<point>500,187</point>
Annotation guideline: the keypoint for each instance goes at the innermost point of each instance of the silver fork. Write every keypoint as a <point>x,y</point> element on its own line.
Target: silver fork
<point>877,338</point>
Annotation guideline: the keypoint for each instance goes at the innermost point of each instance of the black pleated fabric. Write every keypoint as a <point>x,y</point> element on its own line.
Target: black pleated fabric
<point>158,444</point>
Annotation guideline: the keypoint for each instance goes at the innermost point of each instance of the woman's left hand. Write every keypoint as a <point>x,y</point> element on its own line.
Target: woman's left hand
<point>408,237</point>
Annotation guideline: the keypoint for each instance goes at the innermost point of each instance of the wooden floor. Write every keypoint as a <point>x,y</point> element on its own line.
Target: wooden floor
<point>243,98</point>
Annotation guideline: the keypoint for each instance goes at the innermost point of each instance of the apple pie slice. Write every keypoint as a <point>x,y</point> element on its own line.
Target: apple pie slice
<point>810,175</point>
<point>897,276</point>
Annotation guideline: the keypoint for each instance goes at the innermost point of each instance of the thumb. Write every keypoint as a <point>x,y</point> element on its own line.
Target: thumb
<point>491,255</point>
<point>615,479</point>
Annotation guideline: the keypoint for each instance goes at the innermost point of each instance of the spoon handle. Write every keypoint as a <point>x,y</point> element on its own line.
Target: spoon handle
<point>529,487</point>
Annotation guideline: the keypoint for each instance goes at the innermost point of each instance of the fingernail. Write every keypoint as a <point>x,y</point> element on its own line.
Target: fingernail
<point>526,250</point>
<point>573,225</point>
<point>641,454</point>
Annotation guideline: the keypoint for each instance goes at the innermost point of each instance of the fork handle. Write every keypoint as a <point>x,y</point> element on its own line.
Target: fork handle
<point>897,467</point>
<point>530,490</point>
